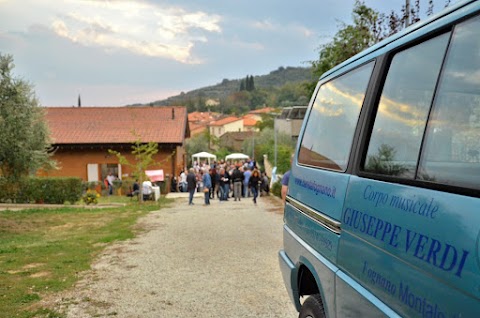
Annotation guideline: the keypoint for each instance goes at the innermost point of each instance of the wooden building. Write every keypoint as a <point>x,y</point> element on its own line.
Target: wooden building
<point>82,136</point>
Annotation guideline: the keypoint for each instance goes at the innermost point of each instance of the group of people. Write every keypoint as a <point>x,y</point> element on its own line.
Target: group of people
<point>225,181</point>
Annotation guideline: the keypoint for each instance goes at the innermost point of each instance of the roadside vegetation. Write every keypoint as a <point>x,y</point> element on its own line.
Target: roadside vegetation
<point>43,250</point>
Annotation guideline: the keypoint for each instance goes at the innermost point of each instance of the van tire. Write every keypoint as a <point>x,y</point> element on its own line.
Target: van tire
<point>312,307</point>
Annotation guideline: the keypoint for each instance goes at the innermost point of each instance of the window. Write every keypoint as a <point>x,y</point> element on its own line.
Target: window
<point>329,132</point>
<point>110,168</point>
<point>403,109</point>
<point>452,148</point>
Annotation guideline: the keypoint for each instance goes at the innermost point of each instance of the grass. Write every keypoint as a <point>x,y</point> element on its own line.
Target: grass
<point>43,250</point>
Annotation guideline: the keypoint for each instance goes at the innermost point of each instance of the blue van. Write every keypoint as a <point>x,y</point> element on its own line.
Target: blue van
<point>382,216</point>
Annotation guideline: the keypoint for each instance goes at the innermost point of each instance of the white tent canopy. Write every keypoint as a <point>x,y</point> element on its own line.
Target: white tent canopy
<point>203,155</point>
<point>236,156</point>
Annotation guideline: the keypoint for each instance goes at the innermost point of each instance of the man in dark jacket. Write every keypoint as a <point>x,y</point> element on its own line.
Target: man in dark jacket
<point>237,177</point>
<point>191,185</point>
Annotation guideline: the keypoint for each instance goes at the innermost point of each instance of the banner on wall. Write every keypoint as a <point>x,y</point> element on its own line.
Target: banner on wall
<point>155,175</point>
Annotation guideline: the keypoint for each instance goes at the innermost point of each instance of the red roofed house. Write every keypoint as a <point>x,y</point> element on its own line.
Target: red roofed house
<point>257,113</point>
<point>249,122</point>
<point>227,124</point>
<point>82,136</point>
<point>199,121</point>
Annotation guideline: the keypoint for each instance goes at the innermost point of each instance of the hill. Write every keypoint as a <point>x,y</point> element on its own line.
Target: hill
<point>275,79</point>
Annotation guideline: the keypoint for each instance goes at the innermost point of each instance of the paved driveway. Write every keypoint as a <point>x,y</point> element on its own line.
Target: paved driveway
<point>194,261</point>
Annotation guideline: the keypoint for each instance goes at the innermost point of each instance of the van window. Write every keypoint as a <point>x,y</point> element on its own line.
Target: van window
<point>452,148</point>
<point>403,109</point>
<point>329,132</point>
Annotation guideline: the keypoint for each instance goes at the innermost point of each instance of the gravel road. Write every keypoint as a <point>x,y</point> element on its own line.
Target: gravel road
<point>193,261</point>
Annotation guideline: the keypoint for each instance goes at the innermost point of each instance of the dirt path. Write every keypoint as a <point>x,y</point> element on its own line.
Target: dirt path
<point>194,261</point>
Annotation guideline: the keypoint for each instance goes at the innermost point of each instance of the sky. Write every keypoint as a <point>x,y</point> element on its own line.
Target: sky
<point>119,52</point>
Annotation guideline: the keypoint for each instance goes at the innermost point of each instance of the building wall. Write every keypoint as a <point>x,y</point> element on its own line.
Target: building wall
<point>73,163</point>
<point>234,126</point>
<point>290,127</point>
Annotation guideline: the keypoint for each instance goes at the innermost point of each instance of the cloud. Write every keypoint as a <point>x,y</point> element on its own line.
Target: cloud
<point>264,25</point>
<point>270,26</point>
<point>139,27</point>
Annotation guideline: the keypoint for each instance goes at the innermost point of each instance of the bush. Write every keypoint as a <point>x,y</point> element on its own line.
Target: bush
<point>90,197</point>
<point>42,190</point>
<point>277,188</point>
<point>127,186</point>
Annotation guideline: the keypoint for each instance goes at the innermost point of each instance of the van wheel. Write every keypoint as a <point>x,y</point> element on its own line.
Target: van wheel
<point>312,307</point>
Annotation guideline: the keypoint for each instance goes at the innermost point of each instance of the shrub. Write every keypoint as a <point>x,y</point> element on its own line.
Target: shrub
<point>42,190</point>
<point>90,197</point>
<point>277,188</point>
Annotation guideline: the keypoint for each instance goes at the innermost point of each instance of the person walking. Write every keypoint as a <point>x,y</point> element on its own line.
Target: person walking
<point>207,185</point>
<point>246,178</point>
<point>183,181</point>
<point>214,179</point>
<point>225,184</point>
<point>110,179</point>
<point>253,183</point>
<point>237,177</point>
<point>191,185</point>
<point>265,187</point>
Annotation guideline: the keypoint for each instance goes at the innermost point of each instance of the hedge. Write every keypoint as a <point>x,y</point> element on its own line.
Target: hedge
<point>42,190</point>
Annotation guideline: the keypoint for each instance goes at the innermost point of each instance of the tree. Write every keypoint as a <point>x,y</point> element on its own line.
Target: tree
<point>242,85</point>
<point>369,27</point>
<point>350,39</point>
<point>143,154</point>
<point>265,145</point>
<point>266,122</point>
<point>198,143</point>
<point>24,135</point>
<point>250,85</point>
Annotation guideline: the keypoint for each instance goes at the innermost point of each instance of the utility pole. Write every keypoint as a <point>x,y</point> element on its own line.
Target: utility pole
<point>275,140</point>
<point>407,13</point>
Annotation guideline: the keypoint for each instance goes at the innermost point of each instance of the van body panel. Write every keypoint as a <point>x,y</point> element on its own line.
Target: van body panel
<point>321,190</point>
<point>289,274</point>
<point>323,240</point>
<point>302,254</point>
<point>382,242</point>
<point>418,226</point>
<point>408,290</point>
<point>356,301</point>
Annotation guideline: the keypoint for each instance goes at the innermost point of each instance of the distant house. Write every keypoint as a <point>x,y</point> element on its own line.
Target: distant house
<point>227,124</point>
<point>290,121</point>
<point>199,121</point>
<point>249,122</point>
<point>258,112</point>
<point>234,140</point>
<point>82,136</point>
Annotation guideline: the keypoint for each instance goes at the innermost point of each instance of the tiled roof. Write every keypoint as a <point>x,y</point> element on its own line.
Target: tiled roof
<point>264,110</point>
<point>196,129</point>
<point>249,121</point>
<point>202,116</point>
<point>99,125</point>
<point>224,121</point>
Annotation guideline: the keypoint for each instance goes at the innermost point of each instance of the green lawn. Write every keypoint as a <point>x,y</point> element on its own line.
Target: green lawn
<point>42,250</point>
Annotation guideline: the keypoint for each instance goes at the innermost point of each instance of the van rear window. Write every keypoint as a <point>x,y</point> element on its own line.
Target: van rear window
<point>452,144</point>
